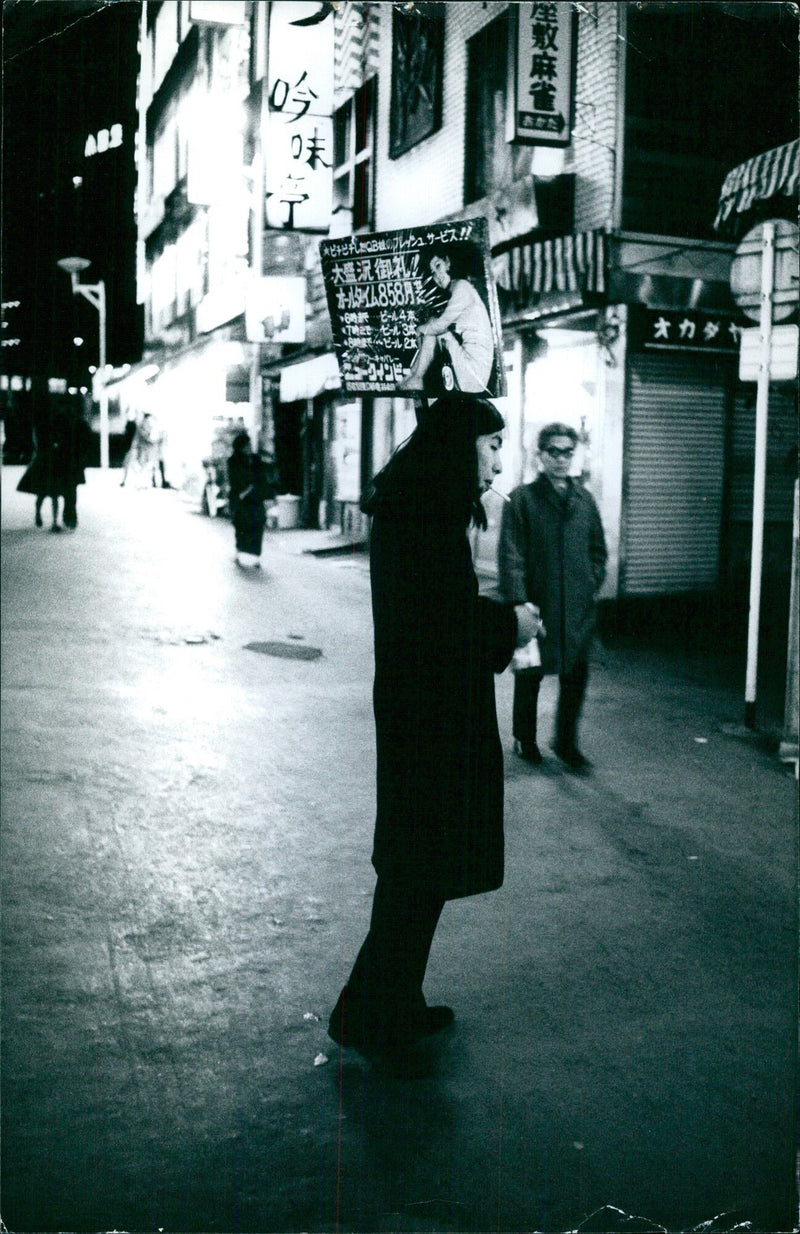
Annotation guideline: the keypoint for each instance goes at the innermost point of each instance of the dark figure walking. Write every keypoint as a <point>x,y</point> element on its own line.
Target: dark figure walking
<point>439,824</point>
<point>552,552</point>
<point>75,436</point>
<point>249,488</point>
<point>61,441</point>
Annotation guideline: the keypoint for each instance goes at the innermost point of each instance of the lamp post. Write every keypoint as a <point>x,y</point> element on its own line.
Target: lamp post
<point>95,293</point>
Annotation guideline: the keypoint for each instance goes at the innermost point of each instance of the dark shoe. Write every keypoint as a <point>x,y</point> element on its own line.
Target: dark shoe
<point>39,519</point>
<point>531,753</point>
<point>55,527</point>
<point>347,1028</point>
<point>572,758</point>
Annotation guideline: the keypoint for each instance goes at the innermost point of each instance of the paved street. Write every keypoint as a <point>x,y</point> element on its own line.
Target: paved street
<point>186,879</point>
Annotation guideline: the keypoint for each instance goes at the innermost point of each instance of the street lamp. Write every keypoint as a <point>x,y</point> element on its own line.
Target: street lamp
<point>95,293</point>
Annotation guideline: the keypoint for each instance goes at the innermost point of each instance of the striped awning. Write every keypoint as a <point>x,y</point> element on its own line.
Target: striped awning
<point>529,271</point>
<point>767,175</point>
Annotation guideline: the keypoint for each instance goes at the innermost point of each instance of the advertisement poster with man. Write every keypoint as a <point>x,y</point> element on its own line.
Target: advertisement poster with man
<point>414,312</point>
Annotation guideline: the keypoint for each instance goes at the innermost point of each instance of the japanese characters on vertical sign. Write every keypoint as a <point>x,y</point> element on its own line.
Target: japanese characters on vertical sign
<point>683,330</point>
<point>297,123</point>
<point>415,311</point>
<point>542,69</point>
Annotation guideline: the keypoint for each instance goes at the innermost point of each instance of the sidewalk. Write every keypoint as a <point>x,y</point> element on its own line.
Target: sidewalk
<point>186,837</point>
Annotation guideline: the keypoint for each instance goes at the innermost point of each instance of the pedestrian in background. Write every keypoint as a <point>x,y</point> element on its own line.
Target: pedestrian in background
<point>248,490</point>
<point>552,553</point>
<point>40,477</point>
<point>144,453</point>
<point>76,444</point>
<point>62,442</point>
<point>128,448</point>
<point>439,823</point>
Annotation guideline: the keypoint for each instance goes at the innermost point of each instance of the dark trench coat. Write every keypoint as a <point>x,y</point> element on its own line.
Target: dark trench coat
<point>553,553</point>
<point>62,444</point>
<point>438,645</point>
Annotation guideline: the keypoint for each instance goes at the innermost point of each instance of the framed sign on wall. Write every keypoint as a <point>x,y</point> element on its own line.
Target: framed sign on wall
<point>417,59</point>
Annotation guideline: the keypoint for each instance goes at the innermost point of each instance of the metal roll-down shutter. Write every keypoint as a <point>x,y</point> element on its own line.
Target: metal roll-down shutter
<point>673,475</point>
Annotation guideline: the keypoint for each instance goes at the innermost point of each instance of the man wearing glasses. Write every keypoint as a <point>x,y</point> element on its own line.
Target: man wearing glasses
<point>552,553</point>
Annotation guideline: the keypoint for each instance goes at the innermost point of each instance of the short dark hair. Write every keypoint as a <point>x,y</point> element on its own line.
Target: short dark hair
<point>556,430</point>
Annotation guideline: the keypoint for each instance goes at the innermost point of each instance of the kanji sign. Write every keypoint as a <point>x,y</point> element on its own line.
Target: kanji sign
<point>541,70</point>
<point>683,330</point>
<point>415,311</point>
<point>299,185</point>
<point>297,131</point>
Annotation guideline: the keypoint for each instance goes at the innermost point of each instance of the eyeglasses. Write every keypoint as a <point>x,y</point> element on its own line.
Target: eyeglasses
<point>554,451</point>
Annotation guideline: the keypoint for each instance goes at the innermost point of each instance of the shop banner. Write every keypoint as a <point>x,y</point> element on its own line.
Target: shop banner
<point>682,330</point>
<point>415,311</point>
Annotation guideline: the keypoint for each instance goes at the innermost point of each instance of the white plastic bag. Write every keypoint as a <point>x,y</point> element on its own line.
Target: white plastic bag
<point>530,655</point>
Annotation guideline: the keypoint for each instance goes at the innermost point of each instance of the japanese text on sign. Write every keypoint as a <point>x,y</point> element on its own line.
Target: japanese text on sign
<point>298,128</point>
<point>415,311</point>
<point>682,330</point>
<point>543,69</point>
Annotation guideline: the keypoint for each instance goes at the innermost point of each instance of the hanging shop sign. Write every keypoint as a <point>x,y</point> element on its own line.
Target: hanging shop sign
<point>541,74</point>
<point>682,330</point>
<point>275,310</point>
<point>297,124</point>
<point>415,311</point>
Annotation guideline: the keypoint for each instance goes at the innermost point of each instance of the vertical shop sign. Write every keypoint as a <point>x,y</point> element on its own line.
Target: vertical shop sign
<point>415,311</point>
<point>297,123</point>
<point>541,71</point>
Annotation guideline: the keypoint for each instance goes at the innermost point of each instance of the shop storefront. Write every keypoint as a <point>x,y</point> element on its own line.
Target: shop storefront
<point>634,342</point>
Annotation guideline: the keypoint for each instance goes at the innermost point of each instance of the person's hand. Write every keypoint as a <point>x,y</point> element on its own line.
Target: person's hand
<point>528,623</point>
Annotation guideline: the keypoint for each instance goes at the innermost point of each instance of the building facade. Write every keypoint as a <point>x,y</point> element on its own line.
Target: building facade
<point>612,281</point>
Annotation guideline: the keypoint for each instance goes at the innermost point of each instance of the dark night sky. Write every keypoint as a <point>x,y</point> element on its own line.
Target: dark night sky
<point>69,70</point>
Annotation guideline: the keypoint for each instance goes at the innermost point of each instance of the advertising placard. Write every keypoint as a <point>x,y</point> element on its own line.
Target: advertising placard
<point>415,311</point>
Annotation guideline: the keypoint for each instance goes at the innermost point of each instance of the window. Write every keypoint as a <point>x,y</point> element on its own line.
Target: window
<point>417,56</point>
<point>487,153</point>
<point>353,155</point>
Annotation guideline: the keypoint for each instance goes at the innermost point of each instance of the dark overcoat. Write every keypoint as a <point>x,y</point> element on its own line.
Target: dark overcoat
<point>62,444</point>
<point>552,552</point>
<point>438,645</point>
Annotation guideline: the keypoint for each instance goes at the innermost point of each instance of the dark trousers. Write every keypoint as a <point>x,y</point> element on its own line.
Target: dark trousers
<point>383,1000</point>
<point>71,506</point>
<point>572,688</point>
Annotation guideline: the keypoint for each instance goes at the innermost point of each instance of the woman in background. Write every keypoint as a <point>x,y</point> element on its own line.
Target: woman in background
<point>249,488</point>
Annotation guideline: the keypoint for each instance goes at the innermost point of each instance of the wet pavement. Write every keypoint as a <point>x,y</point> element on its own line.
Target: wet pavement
<point>186,879</point>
